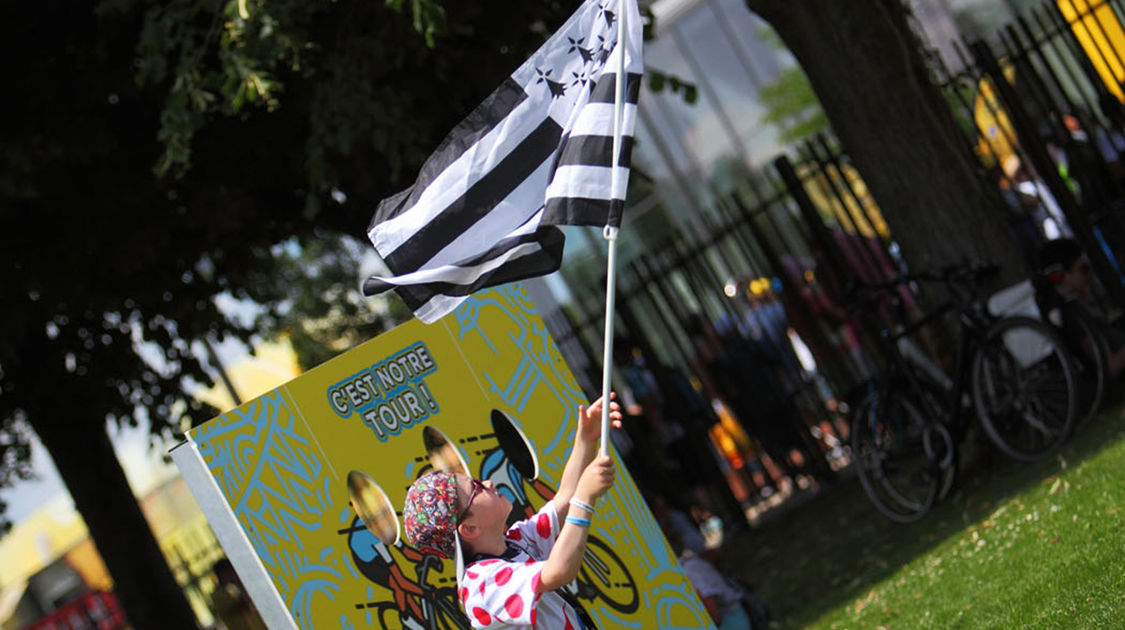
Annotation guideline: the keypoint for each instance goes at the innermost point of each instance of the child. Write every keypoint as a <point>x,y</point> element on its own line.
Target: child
<point>514,576</point>
<point>730,603</point>
<point>719,596</point>
<point>1064,264</point>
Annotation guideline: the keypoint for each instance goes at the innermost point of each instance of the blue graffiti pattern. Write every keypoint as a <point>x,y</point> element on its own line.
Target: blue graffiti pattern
<point>541,365</point>
<point>277,487</point>
<point>277,483</point>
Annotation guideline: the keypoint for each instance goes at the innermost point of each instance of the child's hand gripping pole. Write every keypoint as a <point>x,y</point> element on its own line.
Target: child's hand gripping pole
<point>594,421</point>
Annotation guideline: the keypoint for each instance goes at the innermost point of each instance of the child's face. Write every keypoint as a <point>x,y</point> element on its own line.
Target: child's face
<point>1076,280</point>
<point>481,505</point>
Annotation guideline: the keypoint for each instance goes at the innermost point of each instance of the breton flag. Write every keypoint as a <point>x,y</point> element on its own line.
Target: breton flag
<point>534,155</point>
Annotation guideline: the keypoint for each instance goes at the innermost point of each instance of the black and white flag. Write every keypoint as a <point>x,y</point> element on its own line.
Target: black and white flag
<point>535,154</point>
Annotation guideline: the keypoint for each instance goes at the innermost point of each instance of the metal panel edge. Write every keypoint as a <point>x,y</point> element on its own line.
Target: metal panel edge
<point>231,536</point>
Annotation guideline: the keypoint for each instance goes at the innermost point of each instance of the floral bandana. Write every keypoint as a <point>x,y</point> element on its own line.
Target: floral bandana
<point>429,517</point>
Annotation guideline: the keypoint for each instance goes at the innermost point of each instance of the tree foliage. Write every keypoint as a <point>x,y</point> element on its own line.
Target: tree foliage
<point>790,101</point>
<point>154,154</point>
<point>792,107</point>
<point>155,151</point>
<point>317,304</point>
<point>371,80</point>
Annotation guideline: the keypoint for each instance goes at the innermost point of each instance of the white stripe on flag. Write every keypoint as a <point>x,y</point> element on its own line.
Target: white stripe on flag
<point>596,119</point>
<point>589,182</point>
<point>458,177</point>
<point>455,274</point>
<point>440,305</point>
<point>508,217</point>
<point>475,217</point>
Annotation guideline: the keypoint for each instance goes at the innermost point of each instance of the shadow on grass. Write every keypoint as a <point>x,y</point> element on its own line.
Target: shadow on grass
<point>832,549</point>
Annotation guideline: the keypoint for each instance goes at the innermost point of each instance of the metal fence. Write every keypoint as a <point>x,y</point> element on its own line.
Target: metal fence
<point>1041,104</point>
<point>764,272</point>
<point>755,287</point>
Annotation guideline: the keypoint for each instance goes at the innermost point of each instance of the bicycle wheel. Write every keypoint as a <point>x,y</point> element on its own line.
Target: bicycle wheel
<point>1091,358</point>
<point>899,453</point>
<point>1024,388</point>
<point>943,443</point>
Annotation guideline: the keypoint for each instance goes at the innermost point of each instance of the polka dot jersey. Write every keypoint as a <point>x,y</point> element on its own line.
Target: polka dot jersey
<point>500,593</point>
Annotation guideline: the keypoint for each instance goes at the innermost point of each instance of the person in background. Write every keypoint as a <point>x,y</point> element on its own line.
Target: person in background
<point>1065,266</point>
<point>678,524</point>
<point>1111,141</point>
<point>1019,222</point>
<point>721,597</point>
<point>229,601</point>
<point>1041,206</point>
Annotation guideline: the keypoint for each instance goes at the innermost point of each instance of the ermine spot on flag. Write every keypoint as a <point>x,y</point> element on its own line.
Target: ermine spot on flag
<point>537,153</point>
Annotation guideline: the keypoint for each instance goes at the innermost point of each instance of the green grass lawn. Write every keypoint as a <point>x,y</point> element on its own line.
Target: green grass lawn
<point>1015,546</point>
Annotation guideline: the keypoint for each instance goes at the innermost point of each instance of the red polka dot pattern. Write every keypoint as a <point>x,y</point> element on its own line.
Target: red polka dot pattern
<point>495,591</point>
<point>485,619</point>
<point>514,607</point>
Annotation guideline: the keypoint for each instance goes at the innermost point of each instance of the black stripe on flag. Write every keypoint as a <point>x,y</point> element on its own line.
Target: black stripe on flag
<point>606,88</point>
<point>542,261</point>
<point>593,151</point>
<point>478,200</point>
<point>468,132</point>
<point>576,211</point>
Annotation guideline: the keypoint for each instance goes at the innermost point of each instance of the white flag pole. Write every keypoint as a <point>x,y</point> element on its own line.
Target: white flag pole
<point>610,231</point>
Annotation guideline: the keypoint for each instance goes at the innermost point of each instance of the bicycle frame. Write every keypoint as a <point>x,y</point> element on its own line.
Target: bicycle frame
<point>973,321</point>
<point>926,417</point>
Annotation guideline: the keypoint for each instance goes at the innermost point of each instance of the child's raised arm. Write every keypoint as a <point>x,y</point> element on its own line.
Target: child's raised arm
<point>566,556</point>
<point>585,448</point>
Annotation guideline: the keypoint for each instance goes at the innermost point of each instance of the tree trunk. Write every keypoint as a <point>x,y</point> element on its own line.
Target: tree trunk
<point>866,69</point>
<point>88,466</point>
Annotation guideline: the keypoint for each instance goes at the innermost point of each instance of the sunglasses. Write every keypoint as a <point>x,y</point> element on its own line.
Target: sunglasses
<point>478,488</point>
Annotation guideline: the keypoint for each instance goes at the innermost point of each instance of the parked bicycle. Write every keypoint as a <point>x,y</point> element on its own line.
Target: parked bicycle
<point>1086,343</point>
<point>1014,374</point>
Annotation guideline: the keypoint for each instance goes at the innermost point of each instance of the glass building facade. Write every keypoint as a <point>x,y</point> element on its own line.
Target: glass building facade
<point>690,152</point>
